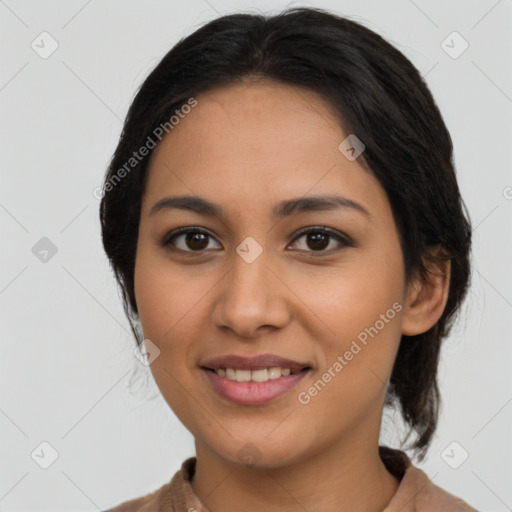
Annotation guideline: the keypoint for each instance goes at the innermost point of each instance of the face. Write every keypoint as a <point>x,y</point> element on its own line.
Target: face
<point>278,319</point>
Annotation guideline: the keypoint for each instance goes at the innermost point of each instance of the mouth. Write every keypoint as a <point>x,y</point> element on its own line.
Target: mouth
<point>261,375</point>
<point>254,380</point>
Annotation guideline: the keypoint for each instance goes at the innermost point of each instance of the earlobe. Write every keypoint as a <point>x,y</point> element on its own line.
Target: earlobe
<point>427,297</point>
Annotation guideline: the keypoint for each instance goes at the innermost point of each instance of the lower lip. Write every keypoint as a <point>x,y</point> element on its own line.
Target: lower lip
<point>253,393</point>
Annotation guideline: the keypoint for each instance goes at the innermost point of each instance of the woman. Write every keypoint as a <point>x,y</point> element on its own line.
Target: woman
<point>283,217</point>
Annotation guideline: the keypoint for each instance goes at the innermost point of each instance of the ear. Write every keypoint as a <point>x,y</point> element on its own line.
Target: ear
<point>426,298</point>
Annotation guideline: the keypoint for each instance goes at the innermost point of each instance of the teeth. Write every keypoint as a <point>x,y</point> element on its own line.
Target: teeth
<point>259,375</point>
<point>262,375</point>
<point>242,375</point>
<point>274,373</point>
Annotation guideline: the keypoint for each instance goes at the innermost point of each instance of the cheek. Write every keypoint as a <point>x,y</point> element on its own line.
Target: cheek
<point>167,297</point>
<point>362,307</point>
<point>169,303</point>
<point>356,295</point>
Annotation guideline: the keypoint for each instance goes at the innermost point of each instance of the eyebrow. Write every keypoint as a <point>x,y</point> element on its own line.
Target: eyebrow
<point>282,209</point>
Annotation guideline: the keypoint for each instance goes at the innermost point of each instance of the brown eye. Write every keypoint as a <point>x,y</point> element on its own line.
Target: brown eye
<point>196,241</point>
<point>188,240</point>
<point>318,239</point>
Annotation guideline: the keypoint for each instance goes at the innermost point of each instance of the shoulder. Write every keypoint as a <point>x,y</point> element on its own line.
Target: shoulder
<point>176,495</point>
<point>431,497</point>
<point>153,502</point>
<point>417,492</point>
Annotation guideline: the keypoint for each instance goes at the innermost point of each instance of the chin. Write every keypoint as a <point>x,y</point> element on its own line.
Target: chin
<point>258,451</point>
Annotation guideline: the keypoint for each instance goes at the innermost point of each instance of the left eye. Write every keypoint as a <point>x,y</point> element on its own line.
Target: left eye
<point>197,240</point>
<point>320,238</point>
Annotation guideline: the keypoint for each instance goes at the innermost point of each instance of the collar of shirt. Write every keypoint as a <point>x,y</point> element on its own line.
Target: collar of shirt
<point>416,492</point>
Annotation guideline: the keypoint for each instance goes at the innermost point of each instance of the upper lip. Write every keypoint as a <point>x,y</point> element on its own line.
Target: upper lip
<point>253,363</point>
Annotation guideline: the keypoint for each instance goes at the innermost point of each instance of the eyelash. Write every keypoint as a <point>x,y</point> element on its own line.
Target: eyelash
<point>344,241</point>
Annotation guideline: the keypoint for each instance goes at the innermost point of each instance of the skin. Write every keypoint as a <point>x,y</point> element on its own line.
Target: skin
<point>247,147</point>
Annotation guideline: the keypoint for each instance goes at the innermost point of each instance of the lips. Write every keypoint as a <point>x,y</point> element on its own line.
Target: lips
<point>254,363</point>
<point>253,380</point>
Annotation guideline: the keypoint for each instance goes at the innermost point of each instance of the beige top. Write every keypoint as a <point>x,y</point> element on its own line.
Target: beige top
<point>416,492</point>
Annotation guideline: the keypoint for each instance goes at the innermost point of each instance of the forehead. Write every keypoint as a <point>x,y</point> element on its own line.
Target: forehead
<point>257,142</point>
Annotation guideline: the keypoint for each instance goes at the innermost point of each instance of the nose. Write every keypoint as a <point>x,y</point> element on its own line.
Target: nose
<point>251,299</point>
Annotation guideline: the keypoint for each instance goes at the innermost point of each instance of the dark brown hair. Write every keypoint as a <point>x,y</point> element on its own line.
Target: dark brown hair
<point>378,95</point>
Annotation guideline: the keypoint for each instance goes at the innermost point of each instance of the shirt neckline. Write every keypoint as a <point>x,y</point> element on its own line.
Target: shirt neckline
<point>184,498</point>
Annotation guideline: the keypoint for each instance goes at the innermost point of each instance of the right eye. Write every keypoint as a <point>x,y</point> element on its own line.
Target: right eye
<point>188,239</point>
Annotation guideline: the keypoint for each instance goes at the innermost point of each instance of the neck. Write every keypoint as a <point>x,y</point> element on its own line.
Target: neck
<point>345,478</point>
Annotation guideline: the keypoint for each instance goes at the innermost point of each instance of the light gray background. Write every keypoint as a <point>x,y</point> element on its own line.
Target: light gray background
<point>67,361</point>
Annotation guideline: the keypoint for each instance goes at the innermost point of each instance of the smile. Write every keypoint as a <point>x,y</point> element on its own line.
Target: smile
<point>252,381</point>
<point>262,375</point>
